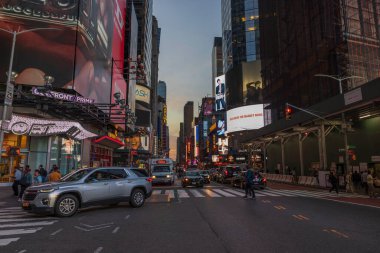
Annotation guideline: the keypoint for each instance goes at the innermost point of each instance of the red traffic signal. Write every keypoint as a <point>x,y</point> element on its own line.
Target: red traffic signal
<point>288,112</point>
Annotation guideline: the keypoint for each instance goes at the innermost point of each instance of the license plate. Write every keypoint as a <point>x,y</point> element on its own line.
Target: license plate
<point>193,183</point>
<point>25,204</point>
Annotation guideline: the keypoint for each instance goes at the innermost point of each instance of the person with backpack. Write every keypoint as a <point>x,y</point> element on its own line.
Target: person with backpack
<point>16,181</point>
<point>43,173</point>
<point>249,184</point>
<point>25,182</point>
<point>334,182</point>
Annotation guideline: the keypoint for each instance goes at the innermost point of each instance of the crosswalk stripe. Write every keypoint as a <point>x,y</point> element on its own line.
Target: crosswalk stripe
<point>28,224</point>
<point>26,219</point>
<point>225,194</point>
<point>313,194</point>
<point>19,231</point>
<point>279,192</point>
<point>270,194</point>
<point>156,192</point>
<point>211,193</point>
<point>196,193</point>
<point>25,215</point>
<point>259,194</point>
<point>182,194</point>
<point>171,193</point>
<point>302,193</point>
<point>235,192</point>
<point>6,241</point>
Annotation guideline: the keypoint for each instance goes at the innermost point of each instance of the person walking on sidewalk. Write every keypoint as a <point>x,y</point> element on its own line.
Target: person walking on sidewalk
<point>55,176</point>
<point>371,188</point>
<point>356,178</point>
<point>37,178</point>
<point>349,182</point>
<point>334,182</point>
<point>16,181</point>
<point>364,181</point>
<point>249,184</point>
<point>25,182</point>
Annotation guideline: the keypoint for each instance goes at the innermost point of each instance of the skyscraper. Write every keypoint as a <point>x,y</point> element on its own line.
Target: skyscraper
<point>188,114</point>
<point>161,89</point>
<point>217,61</point>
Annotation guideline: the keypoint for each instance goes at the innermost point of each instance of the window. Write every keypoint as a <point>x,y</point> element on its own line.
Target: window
<point>99,175</point>
<point>115,174</point>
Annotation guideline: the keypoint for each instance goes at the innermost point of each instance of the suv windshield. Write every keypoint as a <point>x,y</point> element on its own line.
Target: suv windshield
<point>161,169</point>
<point>75,176</point>
<point>192,173</point>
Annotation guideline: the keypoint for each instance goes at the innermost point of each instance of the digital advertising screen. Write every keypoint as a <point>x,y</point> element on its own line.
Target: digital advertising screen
<point>220,93</point>
<point>245,118</point>
<point>223,146</point>
<point>76,50</point>
<point>221,128</point>
<point>208,104</point>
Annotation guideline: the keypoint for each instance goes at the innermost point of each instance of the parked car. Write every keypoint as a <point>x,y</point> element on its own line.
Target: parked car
<point>192,178</point>
<point>206,176</point>
<point>228,173</point>
<point>87,187</point>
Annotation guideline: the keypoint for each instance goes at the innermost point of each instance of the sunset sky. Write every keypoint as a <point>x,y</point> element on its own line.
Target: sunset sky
<point>188,28</point>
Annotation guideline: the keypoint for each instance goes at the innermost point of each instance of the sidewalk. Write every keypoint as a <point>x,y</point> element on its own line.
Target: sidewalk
<point>373,202</point>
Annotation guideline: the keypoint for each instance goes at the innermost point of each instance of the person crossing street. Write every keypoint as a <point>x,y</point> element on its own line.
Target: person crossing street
<point>249,184</point>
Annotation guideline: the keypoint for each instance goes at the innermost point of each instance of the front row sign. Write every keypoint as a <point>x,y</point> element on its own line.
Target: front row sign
<point>63,96</point>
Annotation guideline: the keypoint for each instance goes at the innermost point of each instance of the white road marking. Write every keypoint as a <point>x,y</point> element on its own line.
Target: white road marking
<point>182,194</point>
<point>16,216</point>
<point>28,224</point>
<point>156,192</point>
<point>115,230</point>
<point>211,193</point>
<point>19,231</point>
<point>5,242</point>
<point>22,251</point>
<point>235,192</point>
<point>225,194</point>
<point>11,211</point>
<point>56,232</point>
<point>171,193</point>
<point>196,193</point>
<point>98,250</point>
<point>126,217</point>
<point>26,219</point>
<point>278,192</point>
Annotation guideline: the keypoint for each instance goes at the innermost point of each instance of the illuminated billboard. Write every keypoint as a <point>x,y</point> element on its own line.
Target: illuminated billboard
<point>223,146</point>
<point>221,127</point>
<point>207,106</point>
<point>245,118</point>
<point>220,93</point>
<point>142,94</point>
<point>78,53</point>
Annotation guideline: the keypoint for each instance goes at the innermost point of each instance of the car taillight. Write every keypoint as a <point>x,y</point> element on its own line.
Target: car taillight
<point>149,179</point>
<point>264,179</point>
<point>226,172</point>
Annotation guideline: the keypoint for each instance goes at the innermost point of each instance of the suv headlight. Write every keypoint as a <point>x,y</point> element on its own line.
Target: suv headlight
<point>47,190</point>
<point>168,176</point>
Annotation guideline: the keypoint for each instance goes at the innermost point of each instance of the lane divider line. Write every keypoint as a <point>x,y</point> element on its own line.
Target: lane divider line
<point>98,250</point>
<point>56,232</point>
<point>115,230</point>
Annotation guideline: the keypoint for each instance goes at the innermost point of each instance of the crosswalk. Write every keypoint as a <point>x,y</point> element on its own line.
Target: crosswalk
<point>14,222</point>
<point>231,193</point>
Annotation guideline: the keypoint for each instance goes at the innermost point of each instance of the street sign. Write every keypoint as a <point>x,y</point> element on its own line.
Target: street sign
<point>9,94</point>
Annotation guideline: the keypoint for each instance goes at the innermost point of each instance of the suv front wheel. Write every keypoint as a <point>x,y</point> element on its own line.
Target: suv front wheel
<point>66,206</point>
<point>137,198</point>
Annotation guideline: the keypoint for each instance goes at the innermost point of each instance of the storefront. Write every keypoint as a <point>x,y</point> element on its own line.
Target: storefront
<point>101,154</point>
<point>35,142</point>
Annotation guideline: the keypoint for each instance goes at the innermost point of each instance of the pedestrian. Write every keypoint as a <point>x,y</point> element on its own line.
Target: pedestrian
<point>37,178</point>
<point>249,184</point>
<point>349,182</point>
<point>356,178</point>
<point>334,182</point>
<point>43,173</point>
<point>16,181</point>
<point>371,188</point>
<point>25,182</point>
<point>55,176</point>
<point>364,181</point>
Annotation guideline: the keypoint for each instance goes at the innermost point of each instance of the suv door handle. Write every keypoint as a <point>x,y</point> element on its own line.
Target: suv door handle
<point>105,183</point>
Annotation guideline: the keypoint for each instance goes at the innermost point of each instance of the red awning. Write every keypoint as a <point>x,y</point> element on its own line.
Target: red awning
<point>109,142</point>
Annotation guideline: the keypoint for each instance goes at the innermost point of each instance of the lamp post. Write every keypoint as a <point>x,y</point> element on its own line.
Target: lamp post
<point>344,126</point>
<point>8,100</point>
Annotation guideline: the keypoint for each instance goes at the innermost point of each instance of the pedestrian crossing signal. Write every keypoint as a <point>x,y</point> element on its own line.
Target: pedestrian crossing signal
<point>288,112</point>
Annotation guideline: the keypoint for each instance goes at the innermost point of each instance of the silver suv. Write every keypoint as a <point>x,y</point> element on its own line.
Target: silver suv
<point>88,187</point>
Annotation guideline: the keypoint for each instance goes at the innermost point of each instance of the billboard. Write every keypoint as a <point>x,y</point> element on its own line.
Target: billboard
<point>221,128</point>
<point>245,118</point>
<point>142,94</point>
<point>78,54</point>
<point>223,146</point>
<point>220,93</point>
<point>207,106</point>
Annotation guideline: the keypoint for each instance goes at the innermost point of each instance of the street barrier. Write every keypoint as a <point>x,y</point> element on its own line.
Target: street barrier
<point>290,179</point>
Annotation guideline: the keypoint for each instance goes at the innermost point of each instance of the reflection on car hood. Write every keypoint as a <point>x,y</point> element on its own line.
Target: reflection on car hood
<point>193,177</point>
<point>160,173</point>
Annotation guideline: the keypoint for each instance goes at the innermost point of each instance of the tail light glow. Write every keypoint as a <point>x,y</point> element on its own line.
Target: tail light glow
<point>149,179</point>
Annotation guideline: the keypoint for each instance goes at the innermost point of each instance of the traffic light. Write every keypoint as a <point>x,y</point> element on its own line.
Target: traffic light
<point>288,112</point>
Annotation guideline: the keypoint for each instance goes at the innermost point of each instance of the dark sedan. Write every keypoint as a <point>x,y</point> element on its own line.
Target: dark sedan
<point>192,178</point>
<point>206,176</point>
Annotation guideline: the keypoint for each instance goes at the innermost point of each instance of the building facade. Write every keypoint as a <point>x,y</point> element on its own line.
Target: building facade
<point>216,61</point>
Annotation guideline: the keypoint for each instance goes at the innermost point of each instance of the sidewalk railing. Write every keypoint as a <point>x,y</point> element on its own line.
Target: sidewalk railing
<point>301,180</point>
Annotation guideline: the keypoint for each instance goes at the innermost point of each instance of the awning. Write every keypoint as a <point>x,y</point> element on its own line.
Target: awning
<point>109,142</point>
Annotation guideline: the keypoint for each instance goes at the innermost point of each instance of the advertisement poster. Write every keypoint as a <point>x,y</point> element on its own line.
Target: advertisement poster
<point>220,93</point>
<point>245,118</point>
<point>223,146</point>
<point>221,128</point>
<point>77,53</point>
<point>208,106</point>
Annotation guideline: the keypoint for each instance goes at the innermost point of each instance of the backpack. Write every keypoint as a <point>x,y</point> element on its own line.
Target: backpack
<point>24,180</point>
<point>43,172</point>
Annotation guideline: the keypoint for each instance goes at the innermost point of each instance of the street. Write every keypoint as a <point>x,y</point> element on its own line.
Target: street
<point>213,219</point>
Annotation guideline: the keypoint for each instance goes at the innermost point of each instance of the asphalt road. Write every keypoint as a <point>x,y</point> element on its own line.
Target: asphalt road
<point>202,224</point>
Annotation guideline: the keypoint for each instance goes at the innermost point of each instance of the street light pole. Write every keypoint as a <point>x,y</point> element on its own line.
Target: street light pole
<point>344,125</point>
<point>8,99</point>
